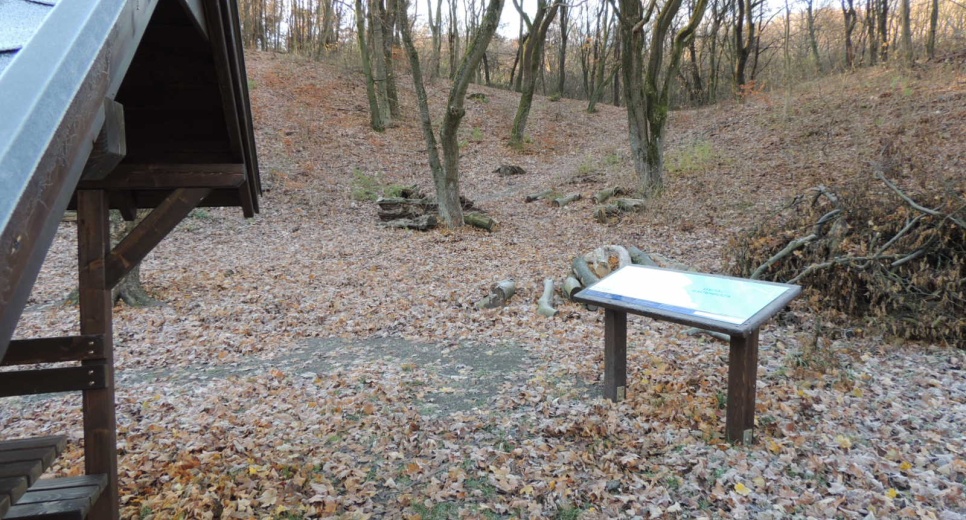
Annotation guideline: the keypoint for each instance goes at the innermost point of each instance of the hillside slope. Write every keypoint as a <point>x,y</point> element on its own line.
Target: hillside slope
<point>280,377</point>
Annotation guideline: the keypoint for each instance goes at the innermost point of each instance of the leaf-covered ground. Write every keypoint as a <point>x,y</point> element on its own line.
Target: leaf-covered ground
<point>309,364</point>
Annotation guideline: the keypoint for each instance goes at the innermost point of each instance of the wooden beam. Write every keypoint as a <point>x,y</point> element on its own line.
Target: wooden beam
<point>110,147</point>
<point>169,177</point>
<point>54,350</point>
<point>149,233</point>
<point>56,442</point>
<point>196,12</point>
<point>247,128</point>
<point>218,36</point>
<point>96,317</point>
<point>51,380</point>
<point>124,202</point>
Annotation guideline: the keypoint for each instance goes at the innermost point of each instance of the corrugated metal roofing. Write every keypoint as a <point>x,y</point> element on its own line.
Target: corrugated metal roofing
<point>19,20</point>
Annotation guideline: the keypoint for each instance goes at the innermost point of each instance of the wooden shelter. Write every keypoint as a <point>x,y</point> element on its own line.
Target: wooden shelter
<point>107,104</point>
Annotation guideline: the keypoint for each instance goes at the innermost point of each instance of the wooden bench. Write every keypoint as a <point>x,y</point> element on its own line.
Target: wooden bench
<point>67,498</point>
<point>23,494</point>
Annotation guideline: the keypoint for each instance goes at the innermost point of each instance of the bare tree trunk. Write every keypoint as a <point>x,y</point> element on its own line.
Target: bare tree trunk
<point>908,53</point>
<point>743,45</point>
<point>562,56</point>
<point>454,39</point>
<point>375,113</point>
<point>849,18</point>
<point>646,94</point>
<point>446,175</point>
<point>486,70</point>
<point>883,18</point>
<point>617,59</point>
<point>532,59</point>
<point>436,27</point>
<point>599,91</point>
<point>516,61</point>
<point>697,86</point>
<point>718,15</point>
<point>388,16</point>
<point>378,57</point>
<point>870,28</point>
<point>933,22</point>
<point>812,40</point>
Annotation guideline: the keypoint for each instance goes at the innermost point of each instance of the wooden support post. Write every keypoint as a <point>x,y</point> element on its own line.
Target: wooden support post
<point>615,355</point>
<point>742,375</point>
<point>100,426</point>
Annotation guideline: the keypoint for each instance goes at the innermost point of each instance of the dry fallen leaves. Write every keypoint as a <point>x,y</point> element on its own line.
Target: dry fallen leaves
<point>225,411</point>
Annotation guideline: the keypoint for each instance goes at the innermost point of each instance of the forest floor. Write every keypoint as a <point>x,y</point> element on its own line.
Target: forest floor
<point>307,363</point>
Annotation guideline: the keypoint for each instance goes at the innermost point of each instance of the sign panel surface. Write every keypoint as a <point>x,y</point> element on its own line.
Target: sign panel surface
<point>728,300</point>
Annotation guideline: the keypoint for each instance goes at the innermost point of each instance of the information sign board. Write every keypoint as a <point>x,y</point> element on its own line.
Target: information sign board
<point>729,300</point>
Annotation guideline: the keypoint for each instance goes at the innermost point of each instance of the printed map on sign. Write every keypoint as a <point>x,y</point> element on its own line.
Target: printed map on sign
<point>723,299</point>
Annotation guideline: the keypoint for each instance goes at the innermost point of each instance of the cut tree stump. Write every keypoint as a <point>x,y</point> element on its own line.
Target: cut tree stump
<point>480,220</point>
<point>546,194</point>
<point>506,170</point>
<point>545,303</point>
<point>563,201</point>
<point>500,293</point>
<point>607,259</point>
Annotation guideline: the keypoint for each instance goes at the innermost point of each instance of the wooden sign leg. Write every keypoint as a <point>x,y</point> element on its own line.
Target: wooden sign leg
<point>100,428</point>
<point>615,355</point>
<point>742,375</point>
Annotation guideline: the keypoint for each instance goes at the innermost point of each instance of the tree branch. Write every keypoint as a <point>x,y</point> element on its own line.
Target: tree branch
<point>908,199</point>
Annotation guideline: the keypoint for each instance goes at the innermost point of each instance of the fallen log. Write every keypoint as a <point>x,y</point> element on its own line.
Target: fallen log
<point>630,204</point>
<point>393,208</point>
<point>571,287</point>
<point>546,194</point>
<point>500,293</point>
<point>601,196</point>
<point>480,220</point>
<point>545,303</point>
<point>640,257</point>
<point>563,201</point>
<point>583,272</point>
<point>423,223</point>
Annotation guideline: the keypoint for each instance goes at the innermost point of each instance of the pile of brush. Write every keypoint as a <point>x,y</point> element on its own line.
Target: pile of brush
<point>873,251</point>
